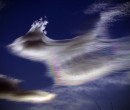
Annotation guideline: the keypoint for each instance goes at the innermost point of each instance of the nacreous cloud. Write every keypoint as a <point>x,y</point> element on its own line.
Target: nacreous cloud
<point>9,90</point>
<point>81,59</point>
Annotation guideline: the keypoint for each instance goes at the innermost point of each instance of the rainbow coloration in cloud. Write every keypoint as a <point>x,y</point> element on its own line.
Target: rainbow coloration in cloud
<point>84,58</point>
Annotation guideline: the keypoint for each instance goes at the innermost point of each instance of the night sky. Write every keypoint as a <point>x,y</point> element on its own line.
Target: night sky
<point>67,19</point>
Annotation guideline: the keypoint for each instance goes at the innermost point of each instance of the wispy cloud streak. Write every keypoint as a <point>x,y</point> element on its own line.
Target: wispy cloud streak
<point>109,13</point>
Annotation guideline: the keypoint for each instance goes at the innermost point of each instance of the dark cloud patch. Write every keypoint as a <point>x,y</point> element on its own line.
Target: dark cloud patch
<point>2,4</point>
<point>8,84</point>
<point>9,90</point>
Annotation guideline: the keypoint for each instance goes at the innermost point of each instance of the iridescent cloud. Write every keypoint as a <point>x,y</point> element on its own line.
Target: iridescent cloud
<point>82,59</point>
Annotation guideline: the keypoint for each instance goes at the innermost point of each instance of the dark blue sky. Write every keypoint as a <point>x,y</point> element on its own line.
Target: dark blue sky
<point>66,20</point>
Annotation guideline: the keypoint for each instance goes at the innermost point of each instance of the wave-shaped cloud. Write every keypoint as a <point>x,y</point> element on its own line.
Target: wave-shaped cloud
<point>79,60</point>
<point>83,58</point>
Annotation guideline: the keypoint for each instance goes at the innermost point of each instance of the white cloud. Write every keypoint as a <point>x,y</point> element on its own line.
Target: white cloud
<point>82,59</point>
<point>108,13</point>
<point>117,80</point>
<point>83,96</point>
<point>96,8</point>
